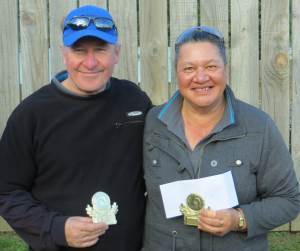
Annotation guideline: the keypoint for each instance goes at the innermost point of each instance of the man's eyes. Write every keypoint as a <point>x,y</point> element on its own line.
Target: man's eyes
<point>78,49</point>
<point>100,49</point>
<point>83,50</point>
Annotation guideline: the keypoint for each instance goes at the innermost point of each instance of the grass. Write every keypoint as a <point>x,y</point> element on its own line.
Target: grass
<point>284,241</point>
<point>11,242</point>
<point>279,241</point>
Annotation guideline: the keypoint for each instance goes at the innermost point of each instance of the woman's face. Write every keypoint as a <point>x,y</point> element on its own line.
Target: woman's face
<point>201,75</point>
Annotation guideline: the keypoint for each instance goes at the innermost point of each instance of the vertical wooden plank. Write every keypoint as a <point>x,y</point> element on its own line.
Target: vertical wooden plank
<point>99,3</point>
<point>275,64</point>
<point>154,49</point>
<point>183,15</point>
<point>57,11</point>
<point>215,13</point>
<point>295,226</point>
<point>245,50</point>
<point>34,45</point>
<point>9,70</point>
<point>125,16</point>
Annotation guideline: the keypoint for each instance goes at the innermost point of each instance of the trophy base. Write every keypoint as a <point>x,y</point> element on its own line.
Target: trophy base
<point>191,221</point>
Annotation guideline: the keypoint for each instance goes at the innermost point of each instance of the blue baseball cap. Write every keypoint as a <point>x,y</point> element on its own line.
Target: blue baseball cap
<point>70,35</point>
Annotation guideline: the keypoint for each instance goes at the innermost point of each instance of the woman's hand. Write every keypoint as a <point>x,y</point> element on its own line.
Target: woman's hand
<point>218,222</point>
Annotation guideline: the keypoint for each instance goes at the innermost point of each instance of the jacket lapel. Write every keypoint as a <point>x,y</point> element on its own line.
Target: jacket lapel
<point>170,145</point>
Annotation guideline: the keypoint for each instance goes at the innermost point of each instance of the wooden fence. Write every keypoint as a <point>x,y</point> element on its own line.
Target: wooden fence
<point>262,37</point>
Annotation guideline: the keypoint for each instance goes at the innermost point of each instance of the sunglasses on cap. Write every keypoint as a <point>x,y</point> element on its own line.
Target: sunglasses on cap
<point>206,29</point>
<point>82,22</point>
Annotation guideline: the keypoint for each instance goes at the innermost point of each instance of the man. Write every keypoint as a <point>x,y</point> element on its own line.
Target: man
<point>76,136</point>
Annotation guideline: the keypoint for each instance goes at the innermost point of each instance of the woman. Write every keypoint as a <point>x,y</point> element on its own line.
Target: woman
<point>203,130</point>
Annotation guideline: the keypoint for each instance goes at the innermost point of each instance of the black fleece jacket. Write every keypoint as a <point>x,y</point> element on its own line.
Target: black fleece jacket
<point>58,149</point>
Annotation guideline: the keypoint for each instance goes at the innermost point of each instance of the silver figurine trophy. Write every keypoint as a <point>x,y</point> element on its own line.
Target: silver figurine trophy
<point>101,210</point>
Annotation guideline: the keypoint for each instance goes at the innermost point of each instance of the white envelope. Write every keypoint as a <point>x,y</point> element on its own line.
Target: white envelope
<point>218,192</point>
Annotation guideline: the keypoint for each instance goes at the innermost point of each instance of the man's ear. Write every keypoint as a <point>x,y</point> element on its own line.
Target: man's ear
<point>117,53</point>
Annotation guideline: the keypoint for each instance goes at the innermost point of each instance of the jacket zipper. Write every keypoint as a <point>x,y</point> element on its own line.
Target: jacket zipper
<point>119,124</point>
<point>174,234</point>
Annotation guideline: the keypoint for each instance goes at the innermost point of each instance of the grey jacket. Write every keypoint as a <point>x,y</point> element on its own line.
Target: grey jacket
<point>266,184</point>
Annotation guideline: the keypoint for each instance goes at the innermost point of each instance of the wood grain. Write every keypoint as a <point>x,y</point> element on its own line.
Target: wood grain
<point>9,63</point>
<point>244,51</point>
<point>125,17</point>
<point>275,78</point>
<point>34,45</point>
<point>295,135</point>
<point>183,15</point>
<point>154,49</point>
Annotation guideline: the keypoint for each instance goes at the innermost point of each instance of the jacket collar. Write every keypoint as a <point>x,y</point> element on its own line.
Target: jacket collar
<point>173,146</point>
<point>235,127</point>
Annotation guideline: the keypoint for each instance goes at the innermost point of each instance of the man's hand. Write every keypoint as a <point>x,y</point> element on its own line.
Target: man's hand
<point>81,232</point>
<point>218,222</point>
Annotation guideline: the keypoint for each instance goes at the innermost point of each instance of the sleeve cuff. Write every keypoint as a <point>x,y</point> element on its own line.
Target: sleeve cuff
<point>58,230</point>
<point>249,221</point>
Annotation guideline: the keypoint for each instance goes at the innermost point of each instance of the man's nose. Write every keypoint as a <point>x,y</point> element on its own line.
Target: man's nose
<point>90,60</point>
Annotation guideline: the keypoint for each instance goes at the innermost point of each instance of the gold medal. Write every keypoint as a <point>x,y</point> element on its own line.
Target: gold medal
<point>195,202</point>
<point>191,211</point>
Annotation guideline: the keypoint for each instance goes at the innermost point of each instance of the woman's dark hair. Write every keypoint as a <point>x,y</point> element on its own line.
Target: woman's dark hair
<point>201,34</point>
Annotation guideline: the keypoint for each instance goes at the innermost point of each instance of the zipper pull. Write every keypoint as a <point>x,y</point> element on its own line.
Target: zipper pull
<point>118,124</point>
<point>174,233</point>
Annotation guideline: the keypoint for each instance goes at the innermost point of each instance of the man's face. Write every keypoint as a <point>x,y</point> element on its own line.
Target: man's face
<point>90,63</point>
